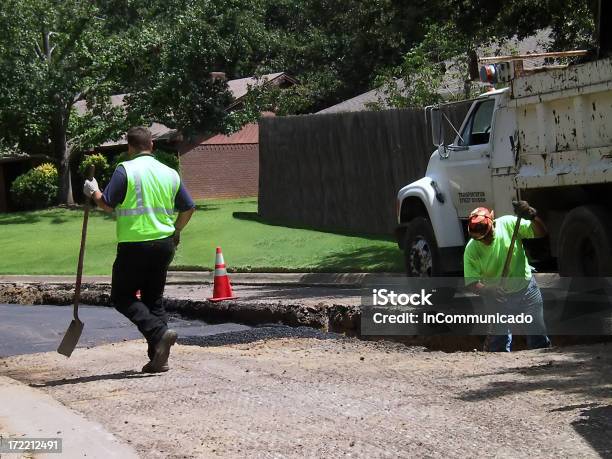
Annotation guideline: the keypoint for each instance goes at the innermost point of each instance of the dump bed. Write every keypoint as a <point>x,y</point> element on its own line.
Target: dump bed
<point>564,125</point>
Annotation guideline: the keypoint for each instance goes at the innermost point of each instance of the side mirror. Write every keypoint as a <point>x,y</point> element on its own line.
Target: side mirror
<point>437,127</point>
<point>443,151</point>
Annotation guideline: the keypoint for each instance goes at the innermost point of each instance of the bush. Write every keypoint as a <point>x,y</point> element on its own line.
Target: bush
<point>170,159</point>
<point>102,168</point>
<point>37,188</point>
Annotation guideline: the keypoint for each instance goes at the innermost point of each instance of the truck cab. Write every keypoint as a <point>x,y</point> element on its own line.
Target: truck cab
<point>542,139</point>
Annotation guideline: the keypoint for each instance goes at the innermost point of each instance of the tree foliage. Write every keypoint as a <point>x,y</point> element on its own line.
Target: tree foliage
<point>336,47</point>
<point>168,158</point>
<point>572,22</point>
<point>55,54</point>
<point>430,69</point>
<point>174,59</point>
<point>102,170</point>
<point>439,64</point>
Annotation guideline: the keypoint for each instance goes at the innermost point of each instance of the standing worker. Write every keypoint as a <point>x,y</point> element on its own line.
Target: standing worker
<point>144,194</point>
<point>483,264</point>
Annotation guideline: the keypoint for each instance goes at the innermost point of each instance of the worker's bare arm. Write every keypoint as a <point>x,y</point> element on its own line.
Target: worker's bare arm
<point>180,223</point>
<point>99,200</point>
<point>183,218</point>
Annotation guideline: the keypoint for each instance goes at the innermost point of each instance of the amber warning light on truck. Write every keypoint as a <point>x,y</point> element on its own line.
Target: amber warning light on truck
<point>501,72</point>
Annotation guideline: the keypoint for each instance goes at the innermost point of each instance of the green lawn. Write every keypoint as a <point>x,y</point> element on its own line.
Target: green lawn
<point>47,242</point>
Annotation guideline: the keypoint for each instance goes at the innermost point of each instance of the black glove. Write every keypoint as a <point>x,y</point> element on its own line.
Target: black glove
<point>524,210</point>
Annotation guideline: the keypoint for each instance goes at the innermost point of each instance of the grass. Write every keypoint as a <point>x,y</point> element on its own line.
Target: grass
<point>47,242</point>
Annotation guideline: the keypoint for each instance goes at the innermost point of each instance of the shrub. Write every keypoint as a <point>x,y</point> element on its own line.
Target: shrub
<point>102,168</point>
<point>37,188</point>
<point>170,159</point>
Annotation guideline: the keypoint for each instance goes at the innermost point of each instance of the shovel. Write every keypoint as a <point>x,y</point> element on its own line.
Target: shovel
<point>71,338</point>
<point>517,227</point>
<point>504,276</point>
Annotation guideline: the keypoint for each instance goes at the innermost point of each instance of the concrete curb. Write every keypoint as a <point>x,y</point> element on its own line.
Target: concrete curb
<point>196,277</point>
<point>30,413</point>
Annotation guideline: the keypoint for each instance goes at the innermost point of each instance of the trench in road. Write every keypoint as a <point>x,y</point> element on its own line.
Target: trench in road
<point>32,329</point>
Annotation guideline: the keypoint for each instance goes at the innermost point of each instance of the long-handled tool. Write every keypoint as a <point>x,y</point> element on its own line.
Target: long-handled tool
<point>517,227</point>
<point>504,276</point>
<point>71,338</point>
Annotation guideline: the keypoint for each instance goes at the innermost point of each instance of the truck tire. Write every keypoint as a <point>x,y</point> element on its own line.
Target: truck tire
<point>421,252</point>
<point>585,243</point>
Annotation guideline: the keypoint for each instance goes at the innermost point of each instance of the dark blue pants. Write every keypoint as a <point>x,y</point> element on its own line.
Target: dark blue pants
<point>528,301</point>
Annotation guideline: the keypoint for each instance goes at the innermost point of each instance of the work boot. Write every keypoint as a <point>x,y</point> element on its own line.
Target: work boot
<point>148,368</point>
<point>159,362</point>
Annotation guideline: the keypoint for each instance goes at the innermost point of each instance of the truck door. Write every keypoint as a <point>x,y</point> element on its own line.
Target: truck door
<point>468,161</point>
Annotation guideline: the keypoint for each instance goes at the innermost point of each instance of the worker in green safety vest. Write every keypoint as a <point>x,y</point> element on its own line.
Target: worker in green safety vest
<point>144,195</point>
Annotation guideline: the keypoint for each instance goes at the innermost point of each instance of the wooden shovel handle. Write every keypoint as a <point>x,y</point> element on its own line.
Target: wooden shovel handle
<point>517,227</point>
<point>79,275</point>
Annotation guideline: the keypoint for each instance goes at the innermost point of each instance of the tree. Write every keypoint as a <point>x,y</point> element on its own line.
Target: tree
<point>173,84</point>
<point>336,47</point>
<point>449,46</point>
<point>430,68</point>
<point>572,22</point>
<point>55,53</point>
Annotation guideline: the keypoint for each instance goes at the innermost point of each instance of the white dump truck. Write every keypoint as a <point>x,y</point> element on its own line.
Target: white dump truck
<point>546,138</point>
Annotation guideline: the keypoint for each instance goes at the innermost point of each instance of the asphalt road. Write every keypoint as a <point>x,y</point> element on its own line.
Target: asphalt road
<point>33,329</point>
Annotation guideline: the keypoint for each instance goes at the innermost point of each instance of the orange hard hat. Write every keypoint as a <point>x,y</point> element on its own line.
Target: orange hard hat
<point>480,222</point>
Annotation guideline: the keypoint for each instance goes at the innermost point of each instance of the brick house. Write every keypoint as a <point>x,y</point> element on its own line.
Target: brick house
<point>228,166</point>
<point>223,166</point>
<point>217,166</point>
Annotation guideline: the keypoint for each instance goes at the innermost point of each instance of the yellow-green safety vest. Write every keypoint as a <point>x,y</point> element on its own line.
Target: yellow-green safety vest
<point>147,212</point>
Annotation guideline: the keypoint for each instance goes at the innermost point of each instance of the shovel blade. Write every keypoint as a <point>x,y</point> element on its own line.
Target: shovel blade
<point>71,338</point>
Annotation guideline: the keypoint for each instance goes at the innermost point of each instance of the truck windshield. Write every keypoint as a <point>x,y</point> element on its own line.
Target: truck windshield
<point>478,128</point>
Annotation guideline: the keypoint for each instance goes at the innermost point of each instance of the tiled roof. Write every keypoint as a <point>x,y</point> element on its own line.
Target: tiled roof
<point>249,134</point>
<point>238,88</point>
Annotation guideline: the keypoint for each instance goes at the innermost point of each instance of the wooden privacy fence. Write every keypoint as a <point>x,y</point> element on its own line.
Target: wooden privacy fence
<point>342,171</point>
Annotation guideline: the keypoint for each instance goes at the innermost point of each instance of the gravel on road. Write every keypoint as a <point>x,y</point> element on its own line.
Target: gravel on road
<point>297,392</point>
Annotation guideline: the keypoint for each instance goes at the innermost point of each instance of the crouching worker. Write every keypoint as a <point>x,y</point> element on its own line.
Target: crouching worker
<point>144,194</point>
<point>483,264</point>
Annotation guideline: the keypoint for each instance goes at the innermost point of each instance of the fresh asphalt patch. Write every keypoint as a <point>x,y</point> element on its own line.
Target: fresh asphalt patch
<point>40,328</point>
<point>259,333</point>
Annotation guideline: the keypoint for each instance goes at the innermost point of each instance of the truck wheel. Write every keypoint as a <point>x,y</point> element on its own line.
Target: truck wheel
<point>585,243</point>
<point>420,249</point>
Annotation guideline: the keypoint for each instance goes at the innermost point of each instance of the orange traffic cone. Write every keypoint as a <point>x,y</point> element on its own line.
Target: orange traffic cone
<point>222,289</point>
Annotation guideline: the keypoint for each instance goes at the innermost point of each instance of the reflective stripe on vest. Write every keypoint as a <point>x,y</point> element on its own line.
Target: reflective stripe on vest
<point>147,211</point>
<point>141,209</point>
